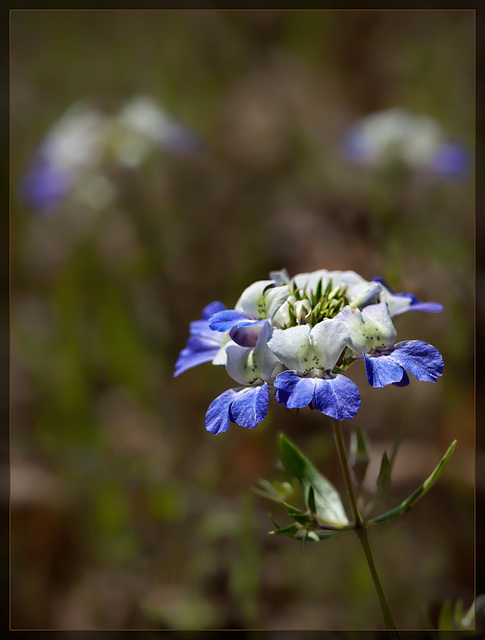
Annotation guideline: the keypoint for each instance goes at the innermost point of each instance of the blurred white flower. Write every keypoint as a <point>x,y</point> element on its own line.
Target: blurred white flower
<point>76,140</point>
<point>71,148</point>
<point>71,158</point>
<point>145,124</point>
<point>399,135</point>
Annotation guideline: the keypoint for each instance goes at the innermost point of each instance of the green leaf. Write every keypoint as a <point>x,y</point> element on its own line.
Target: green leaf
<point>326,500</point>
<point>276,491</point>
<point>303,517</point>
<point>299,532</point>
<point>384,477</point>
<point>311,500</point>
<point>420,491</point>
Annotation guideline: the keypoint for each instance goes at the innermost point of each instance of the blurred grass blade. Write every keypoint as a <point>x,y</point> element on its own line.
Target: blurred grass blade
<point>420,491</point>
<point>359,454</point>
<point>396,445</point>
<point>326,500</point>
<point>445,622</point>
<point>384,477</point>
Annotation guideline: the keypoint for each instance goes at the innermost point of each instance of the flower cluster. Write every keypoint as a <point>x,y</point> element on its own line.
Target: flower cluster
<point>70,158</point>
<point>397,134</point>
<point>295,337</point>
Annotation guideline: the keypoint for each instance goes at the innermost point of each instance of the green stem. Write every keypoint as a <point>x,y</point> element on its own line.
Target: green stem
<point>364,540</point>
<point>361,530</point>
<point>339,441</point>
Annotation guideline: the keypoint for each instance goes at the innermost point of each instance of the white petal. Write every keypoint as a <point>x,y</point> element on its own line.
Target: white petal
<point>292,346</point>
<point>370,328</point>
<point>274,298</point>
<point>310,280</point>
<point>364,294</point>
<point>280,277</point>
<point>251,301</point>
<point>329,339</point>
<point>248,365</point>
<point>221,355</point>
<point>281,318</point>
<point>377,316</point>
<point>396,304</point>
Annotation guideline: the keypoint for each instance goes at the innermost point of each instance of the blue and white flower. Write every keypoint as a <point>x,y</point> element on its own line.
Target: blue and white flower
<point>258,303</point>
<point>254,368</point>
<point>295,337</point>
<point>310,354</point>
<point>372,336</point>
<point>399,303</point>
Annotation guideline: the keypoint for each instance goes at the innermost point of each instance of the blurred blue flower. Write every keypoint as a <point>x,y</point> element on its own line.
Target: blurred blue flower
<point>69,149</point>
<point>45,185</point>
<point>397,134</point>
<point>71,158</point>
<point>144,126</point>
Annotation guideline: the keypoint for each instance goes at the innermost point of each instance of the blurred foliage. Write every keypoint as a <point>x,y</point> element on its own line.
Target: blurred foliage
<point>125,513</point>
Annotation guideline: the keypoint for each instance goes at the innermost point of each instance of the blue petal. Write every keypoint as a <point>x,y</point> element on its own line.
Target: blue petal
<point>45,186</point>
<point>212,308</point>
<point>218,418</point>
<point>193,355</point>
<point>250,406</point>
<point>294,389</point>
<point>404,382</point>
<point>181,140</point>
<point>355,146</point>
<point>451,159</point>
<point>246,334</point>
<point>421,359</point>
<point>337,397</point>
<point>383,370</point>
<point>202,346</point>
<point>225,320</point>
<point>417,305</point>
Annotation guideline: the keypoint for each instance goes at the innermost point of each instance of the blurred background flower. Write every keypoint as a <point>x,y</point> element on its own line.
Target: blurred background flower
<point>395,135</point>
<point>176,157</point>
<point>83,144</point>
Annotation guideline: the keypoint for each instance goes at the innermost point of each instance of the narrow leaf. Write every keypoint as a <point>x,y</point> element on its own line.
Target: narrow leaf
<point>276,491</point>
<point>311,500</point>
<point>299,516</point>
<point>277,526</point>
<point>326,500</point>
<point>293,531</point>
<point>298,532</point>
<point>420,491</point>
<point>445,618</point>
